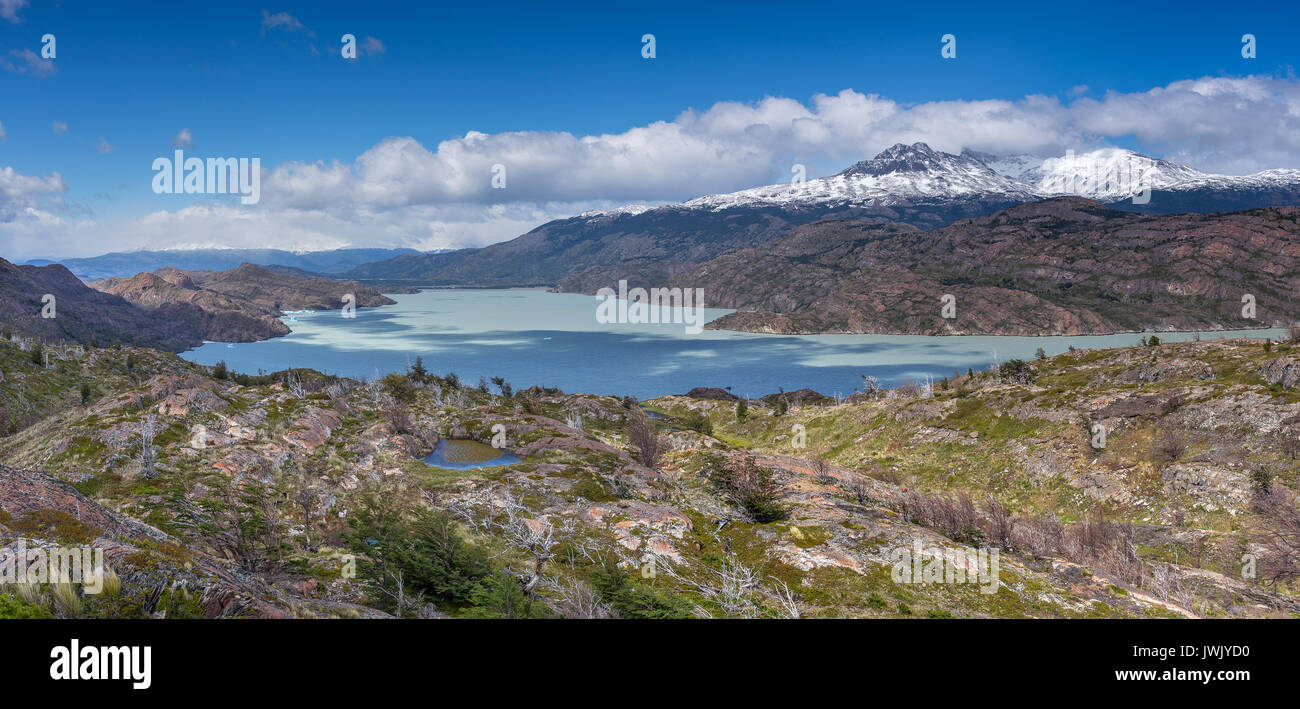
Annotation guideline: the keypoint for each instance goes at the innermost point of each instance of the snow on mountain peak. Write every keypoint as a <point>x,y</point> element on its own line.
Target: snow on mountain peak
<point>911,174</point>
<point>1106,175</point>
<point>898,174</point>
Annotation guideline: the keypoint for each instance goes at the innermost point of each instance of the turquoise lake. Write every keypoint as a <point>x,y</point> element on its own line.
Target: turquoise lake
<point>530,336</point>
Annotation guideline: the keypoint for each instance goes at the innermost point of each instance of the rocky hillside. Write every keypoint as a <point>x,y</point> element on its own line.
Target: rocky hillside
<point>1061,266</point>
<point>240,305</point>
<point>216,316</point>
<point>281,291</point>
<point>253,290</point>
<point>304,495</point>
<point>83,314</point>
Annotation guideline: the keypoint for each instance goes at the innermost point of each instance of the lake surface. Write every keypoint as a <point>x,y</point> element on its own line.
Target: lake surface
<point>467,455</point>
<point>532,337</point>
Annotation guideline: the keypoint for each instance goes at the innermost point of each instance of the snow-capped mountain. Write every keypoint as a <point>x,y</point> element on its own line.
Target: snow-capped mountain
<point>917,175</point>
<point>912,184</point>
<point>900,175</point>
<point>1105,175</point>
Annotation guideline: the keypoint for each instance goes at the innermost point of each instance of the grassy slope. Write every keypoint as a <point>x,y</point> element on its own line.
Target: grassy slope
<point>1025,444</point>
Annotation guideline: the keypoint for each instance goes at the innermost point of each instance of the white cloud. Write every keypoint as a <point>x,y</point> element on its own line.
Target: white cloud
<point>28,63</point>
<point>372,45</point>
<point>3,134</point>
<point>285,21</point>
<point>9,9</point>
<point>20,194</point>
<point>402,192</point>
<point>1224,125</point>
<point>183,139</point>
<point>59,127</point>
<point>103,147</point>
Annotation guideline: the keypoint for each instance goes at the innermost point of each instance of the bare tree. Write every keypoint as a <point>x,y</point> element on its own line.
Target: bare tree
<point>574,420</point>
<point>293,382</point>
<point>579,600</point>
<point>999,525</point>
<point>737,589</point>
<point>147,430</point>
<point>822,471</point>
<point>871,386</point>
<point>787,602</point>
<point>643,434</point>
<point>1280,537</point>
<point>859,488</point>
<point>500,514</point>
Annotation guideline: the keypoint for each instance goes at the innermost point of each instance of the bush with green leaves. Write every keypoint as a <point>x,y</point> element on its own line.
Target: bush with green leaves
<point>699,422</point>
<point>410,553</point>
<point>632,598</point>
<point>399,387</point>
<point>752,487</point>
<point>500,596</point>
<point>15,609</point>
<point>1017,370</point>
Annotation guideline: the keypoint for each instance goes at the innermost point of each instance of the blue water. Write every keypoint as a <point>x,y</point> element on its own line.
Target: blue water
<point>532,337</point>
<point>438,459</point>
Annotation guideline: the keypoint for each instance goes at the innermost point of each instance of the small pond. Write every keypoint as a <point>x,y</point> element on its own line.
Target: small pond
<point>467,455</point>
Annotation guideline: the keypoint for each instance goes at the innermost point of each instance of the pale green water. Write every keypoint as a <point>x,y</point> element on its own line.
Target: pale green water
<point>486,333</point>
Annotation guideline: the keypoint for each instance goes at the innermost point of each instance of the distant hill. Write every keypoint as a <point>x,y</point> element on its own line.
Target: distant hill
<point>1061,266</point>
<point>129,263</point>
<point>83,314</point>
<point>168,309</point>
<point>282,291</point>
<point>243,304</point>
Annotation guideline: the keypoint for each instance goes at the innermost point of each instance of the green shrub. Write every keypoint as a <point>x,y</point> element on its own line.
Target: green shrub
<point>499,596</point>
<point>56,525</point>
<point>424,549</point>
<point>751,487</point>
<point>632,598</point>
<point>13,609</point>
<point>699,422</point>
<point>399,387</point>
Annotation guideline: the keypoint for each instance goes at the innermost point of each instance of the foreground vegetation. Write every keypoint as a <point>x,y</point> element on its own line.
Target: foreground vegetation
<point>294,494</point>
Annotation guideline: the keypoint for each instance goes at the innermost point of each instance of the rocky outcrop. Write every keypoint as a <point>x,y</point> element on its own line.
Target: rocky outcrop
<point>240,305</point>
<point>1283,370</point>
<point>711,393</point>
<point>217,317</point>
<point>280,291</point>
<point>74,311</point>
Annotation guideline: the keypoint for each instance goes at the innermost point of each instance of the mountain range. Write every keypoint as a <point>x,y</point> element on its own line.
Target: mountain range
<point>127,263</point>
<point>909,184</point>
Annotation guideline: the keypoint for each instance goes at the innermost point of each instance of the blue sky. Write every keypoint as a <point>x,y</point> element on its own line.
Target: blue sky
<point>267,80</point>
